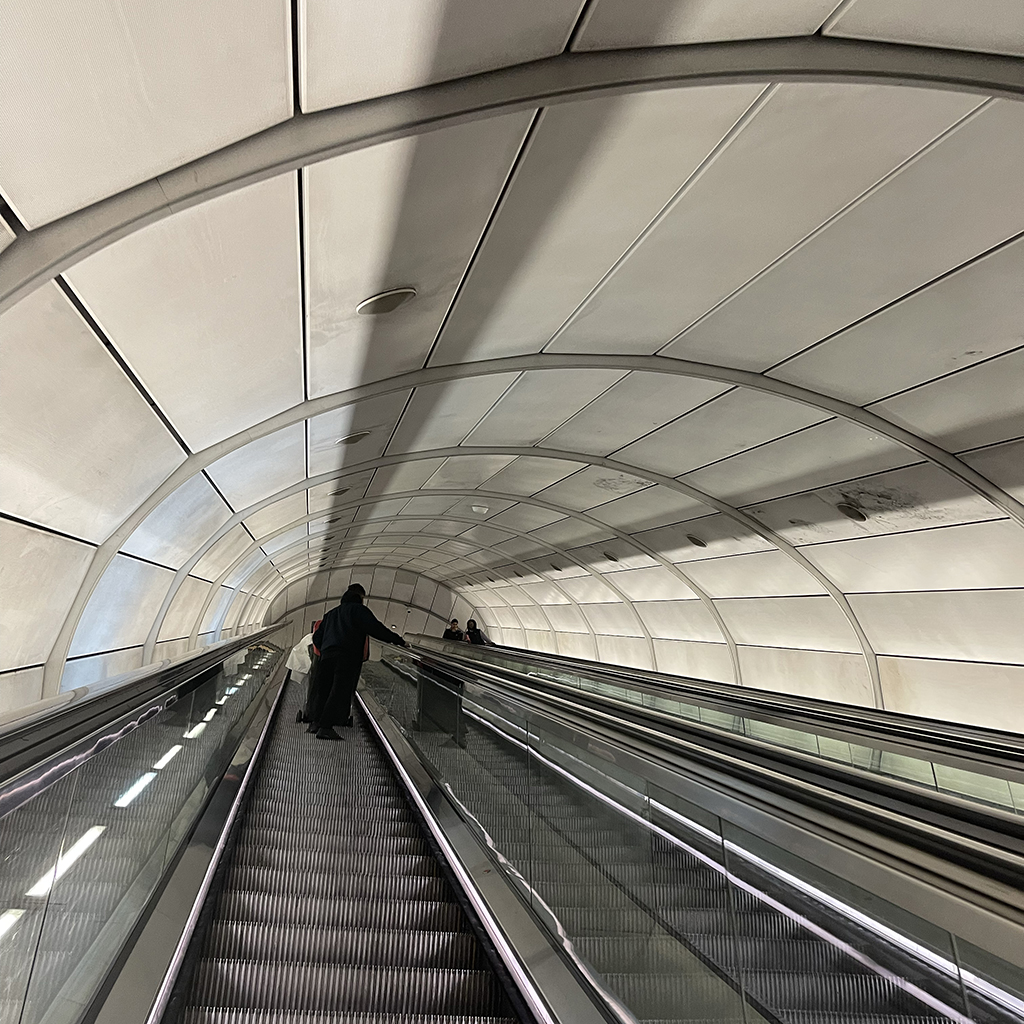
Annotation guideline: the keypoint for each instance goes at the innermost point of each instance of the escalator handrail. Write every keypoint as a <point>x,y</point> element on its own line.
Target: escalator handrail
<point>948,743</point>
<point>37,749</point>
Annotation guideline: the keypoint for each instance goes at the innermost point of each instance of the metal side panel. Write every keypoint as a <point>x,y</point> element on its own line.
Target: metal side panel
<point>553,992</point>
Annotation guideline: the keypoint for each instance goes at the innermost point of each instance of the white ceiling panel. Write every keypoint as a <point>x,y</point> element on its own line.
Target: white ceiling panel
<point>592,486</point>
<point>651,583</point>
<point>760,574</point>
<point>720,535</point>
<point>339,492</point>
<point>261,468</point>
<point>577,203</point>
<point>406,213</point>
<point>81,447</point>
<point>173,531</point>
<point>1003,464</point>
<point>624,650</point>
<point>613,619</point>
<point>567,532</point>
<point>819,455</point>
<point>621,23</point>
<point>825,675</point>
<point>636,406</point>
<point>223,553</point>
<point>977,406</point>
<point>285,540</point>
<point>96,96</point>
<point>526,517</point>
<point>484,535</point>
<point>122,607</point>
<point>992,26</point>
<point>527,475</point>
<point>281,513</point>
<point>443,414</point>
<point>20,688</point>
<point>353,51</point>
<point>962,319</point>
<point>429,506</point>
<point>809,623</point>
<point>204,306</point>
<point>403,477</point>
<point>6,235</point>
<point>738,420</point>
<point>378,416</point>
<point>954,202</point>
<point>646,509</point>
<point>523,548</point>
<point>538,403</point>
<point>86,671</point>
<point>973,556</point>
<point>405,525</point>
<point>696,660</point>
<point>469,507</point>
<point>671,620</point>
<point>467,471</point>
<point>41,573</point>
<point>811,149</point>
<point>915,498</point>
<point>612,555</point>
<point>973,625</point>
<point>184,609</point>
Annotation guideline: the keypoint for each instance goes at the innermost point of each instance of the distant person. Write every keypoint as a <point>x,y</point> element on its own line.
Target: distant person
<point>475,635</point>
<point>342,638</point>
<point>453,632</point>
<point>305,651</point>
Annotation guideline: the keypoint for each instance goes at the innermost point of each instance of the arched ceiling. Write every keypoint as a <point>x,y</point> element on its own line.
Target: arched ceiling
<point>688,278</point>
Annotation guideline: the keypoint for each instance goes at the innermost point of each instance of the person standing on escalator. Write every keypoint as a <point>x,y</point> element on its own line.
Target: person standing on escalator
<point>342,639</point>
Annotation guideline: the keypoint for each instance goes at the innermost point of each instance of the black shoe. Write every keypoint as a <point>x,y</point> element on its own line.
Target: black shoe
<point>327,733</point>
<point>312,727</point>
<point>300,717</point>
<point>348,723</point>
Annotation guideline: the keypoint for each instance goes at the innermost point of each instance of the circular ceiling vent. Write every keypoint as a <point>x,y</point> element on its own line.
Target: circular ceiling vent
<point>851,512</point>
<point>353,438</point>
<point>696,541</point>
<point>385,302</point>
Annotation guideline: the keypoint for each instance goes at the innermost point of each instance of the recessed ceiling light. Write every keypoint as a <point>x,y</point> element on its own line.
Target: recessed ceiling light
<point>696,541</point>
<point>480,510</point>
<point>555,567</point>
<point>353,438</point>
<point>385,302</point>
<point>610,556</point>
<point>851,512</point>
<point>339,492</point>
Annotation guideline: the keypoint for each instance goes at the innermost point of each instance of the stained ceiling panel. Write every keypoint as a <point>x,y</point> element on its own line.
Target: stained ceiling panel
<point>813,149</point>
<point>139,90</point>
<point>956,201</point>
<point>992,26</point>
<point>538,403</point>
<point>81,447</point>
<point>204,306</point>
<point>592,486</point>
<point>349,55</point>
<point>403,214</point>
<point>621,23</point>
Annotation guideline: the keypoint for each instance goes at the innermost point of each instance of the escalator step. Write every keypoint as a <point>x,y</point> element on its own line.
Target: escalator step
<point>222,1015</point>
<point>330,885</point>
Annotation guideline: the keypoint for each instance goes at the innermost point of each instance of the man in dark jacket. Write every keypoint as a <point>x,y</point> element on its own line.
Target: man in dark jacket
<point>341,639</point>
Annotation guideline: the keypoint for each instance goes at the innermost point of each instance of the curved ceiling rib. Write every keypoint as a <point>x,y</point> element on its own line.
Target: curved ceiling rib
<point>640,546</point>
<point>40,255</point>
<point>195,463</point>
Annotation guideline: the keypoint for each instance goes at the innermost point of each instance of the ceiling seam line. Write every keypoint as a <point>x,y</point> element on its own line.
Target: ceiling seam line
<point>933,453</point>
<point>104,339</point>
<point>580,25</point>
<point>830,22</point>
<point>709,160</point>
<point>52,530</point>
<point>858,200</point>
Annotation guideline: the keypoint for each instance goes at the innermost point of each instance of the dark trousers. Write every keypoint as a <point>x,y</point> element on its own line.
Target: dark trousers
<point>333,688</point>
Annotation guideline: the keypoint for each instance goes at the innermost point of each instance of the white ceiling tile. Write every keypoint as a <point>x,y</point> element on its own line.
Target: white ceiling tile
<point>403,477</point>
<point>673,620</point>
<point>977,406</point>
<point>576,204</point>
<point>6,235</point>
<point>527,475</point>
<point>41,573</point>
<point>972,556</point>
<point>637,405</point>
<point>646,509</point>
<point>357,50</point>
<point>223,553</point>
<point>443,414</point>
<point>956,201</point>
<point>592,486</point>
<point>809,152</point>
<point>624,650</point>
<point>992,26</point>
<point>204,306</point>
<point>184,609</point>
<point>824,675</point>
<point>613,619</point>
<point>973,625</point>
<point>738,420</point>
<point>567,532</point>
<point>526,517</point>
<point>720,534</point>
<point>339,492</point>
<point>820,455</point>
<point>1003,464</point>
<point>97,96</point>
<point>538,403</point>
<point>20,688</point>
<point>275,516</point>
<point>173,531</point>
<point>405,213</point>
<point>429,506</point>
<point>282,541</point>
<point>484,535</point>
<point>100,668</point>
<point>122,607</point>
<point>961,319</point>
<point>651,583</point>
<point>695,660</point>
<point>492,506</point>
<point>82,448</point>
<point>408,525</point>
<point>914,498</point>
<point>620,23</point>
<point>809,623</point>
<point>261,468</point>
<point>760,574</point>
<point>378,416</point>
<point>467,471</point>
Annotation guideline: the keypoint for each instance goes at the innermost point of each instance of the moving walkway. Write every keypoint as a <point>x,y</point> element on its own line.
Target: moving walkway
<point>503,836</point>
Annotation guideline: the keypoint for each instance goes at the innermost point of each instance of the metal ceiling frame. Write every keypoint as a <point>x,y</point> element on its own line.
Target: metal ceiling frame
<point>40,255</point>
